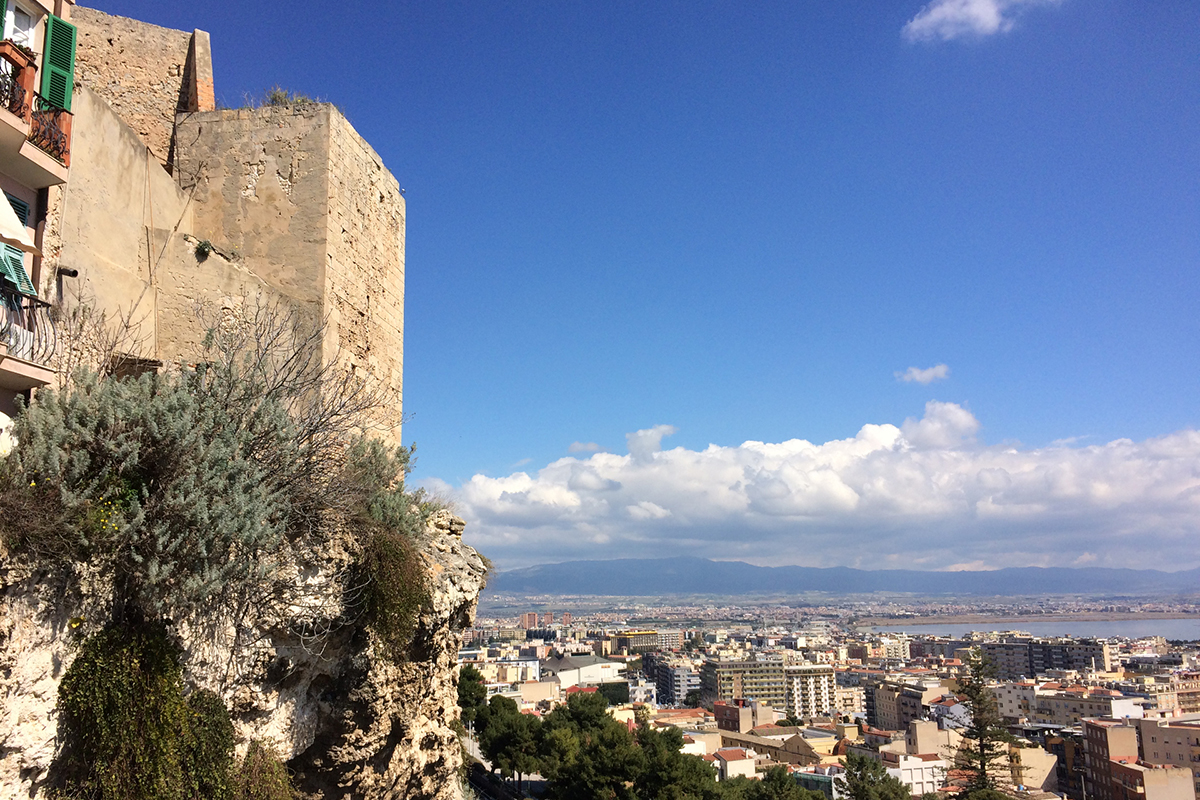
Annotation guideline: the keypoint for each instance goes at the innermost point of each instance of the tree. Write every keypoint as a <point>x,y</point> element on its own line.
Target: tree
<point>615,692</point>
<point>776,784</point>
<point>472,694</point>
<point>669,773</point>
<point>867,779</point>
<point>511,741</point>
<point>585,753</point>
<point>984,748</point>
<point>692,699</point>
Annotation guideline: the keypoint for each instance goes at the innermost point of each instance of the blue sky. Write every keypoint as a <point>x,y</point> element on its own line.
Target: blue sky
<point>744,221</point>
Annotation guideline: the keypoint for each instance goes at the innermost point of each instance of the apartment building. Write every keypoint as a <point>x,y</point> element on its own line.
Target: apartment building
<point>727,681</point>
<point>896,648</point>
<point>849,700</point>
<point>1140,781</point>
<point>921,773</point>
<point>1019,656</point>
<point>670,640</point>
<point>1173,742</point>
<point>529,620</point>
<point>1187,691</point>
<point>675,679</point>
<point>633,642</point>
<point>1105,741</point>
<point>898,703</point>
<point>742,716</point>
<point>1016,700</point>
<point>811,690</point>
<point>1064,707</point>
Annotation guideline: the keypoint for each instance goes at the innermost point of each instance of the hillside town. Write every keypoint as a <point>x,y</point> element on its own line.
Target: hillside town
<point>1085,717</point>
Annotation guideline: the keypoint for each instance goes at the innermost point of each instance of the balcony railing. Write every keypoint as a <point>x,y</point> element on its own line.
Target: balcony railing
<point>49,125</point>
<point>50,129</point>
<point>27,327</point>
<point>17,72</point>
<point>12,94</point>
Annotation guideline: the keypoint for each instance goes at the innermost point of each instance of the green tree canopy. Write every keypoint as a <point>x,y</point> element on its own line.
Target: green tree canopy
<point>472,694</point>
<point>867,779</point>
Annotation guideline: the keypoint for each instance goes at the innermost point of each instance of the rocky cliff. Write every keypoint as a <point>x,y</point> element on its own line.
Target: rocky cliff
<point>349,721</point>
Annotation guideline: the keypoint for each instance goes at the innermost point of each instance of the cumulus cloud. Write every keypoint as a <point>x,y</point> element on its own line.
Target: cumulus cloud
<point>584,447</point>
<point>924,494</point>
<point>944,426</point>
<point>953,19</point>
<point>645,443</point>
<point>924,376</point>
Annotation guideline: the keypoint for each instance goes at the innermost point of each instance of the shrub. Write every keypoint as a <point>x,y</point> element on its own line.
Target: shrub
<point>207,748</point>
<point>127,732</point>
<point>156,482</point>
<point>393,581</point>
<point>262,776</point>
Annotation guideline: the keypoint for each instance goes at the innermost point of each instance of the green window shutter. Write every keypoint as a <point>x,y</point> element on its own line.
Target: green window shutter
<point>3,12</point>
<point>58,62</point>
<point>13,258</point>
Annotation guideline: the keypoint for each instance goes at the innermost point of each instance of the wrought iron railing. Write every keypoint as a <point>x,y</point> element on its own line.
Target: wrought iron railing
<point>50,128</point>
<point>12,93</point>
<point>27,327</point>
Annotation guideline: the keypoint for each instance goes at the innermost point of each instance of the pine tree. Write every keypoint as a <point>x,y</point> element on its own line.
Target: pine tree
<point>984,748</point>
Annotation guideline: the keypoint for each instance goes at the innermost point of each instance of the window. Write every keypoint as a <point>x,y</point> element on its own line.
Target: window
<point>12,259</point>
<point>19,25</point>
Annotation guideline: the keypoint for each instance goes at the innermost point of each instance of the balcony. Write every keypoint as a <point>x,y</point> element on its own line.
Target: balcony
<point>35,137</point>
<point>28,340</point>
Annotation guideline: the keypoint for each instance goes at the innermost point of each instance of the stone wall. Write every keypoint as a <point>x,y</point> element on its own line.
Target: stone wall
<point>143,72</point>
<point>365,262</point>
<point>260,182</point>
<point>127,227</point>
<point>309,208</point>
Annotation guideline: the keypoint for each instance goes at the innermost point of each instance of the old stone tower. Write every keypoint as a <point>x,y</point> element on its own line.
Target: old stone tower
<point>170,202</point>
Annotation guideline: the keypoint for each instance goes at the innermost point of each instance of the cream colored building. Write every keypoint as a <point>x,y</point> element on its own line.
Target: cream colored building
<point>1173,742</point>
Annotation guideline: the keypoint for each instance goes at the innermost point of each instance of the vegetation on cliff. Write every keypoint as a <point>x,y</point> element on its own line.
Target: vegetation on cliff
<point>181,494</point>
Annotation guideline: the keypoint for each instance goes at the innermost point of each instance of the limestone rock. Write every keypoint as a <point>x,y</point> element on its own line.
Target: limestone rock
<point>350,722</point>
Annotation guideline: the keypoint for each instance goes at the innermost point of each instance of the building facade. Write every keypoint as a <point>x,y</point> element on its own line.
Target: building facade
<point>37,80</point>
<point>727,681</point>
<point>811,690</point>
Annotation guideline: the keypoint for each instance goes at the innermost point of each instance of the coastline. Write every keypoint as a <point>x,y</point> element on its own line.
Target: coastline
<point>1017,619</point>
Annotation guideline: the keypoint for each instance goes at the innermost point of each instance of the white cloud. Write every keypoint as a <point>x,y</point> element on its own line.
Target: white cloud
<point>645,443</point>
<point>952,19</point>
<point>921,494</point>
<point>584,447</point>
<point>924,376</point>
<point>944,426</point>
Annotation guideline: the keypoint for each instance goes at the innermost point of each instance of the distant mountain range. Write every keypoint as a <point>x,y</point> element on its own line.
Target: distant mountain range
<point>662,576</point>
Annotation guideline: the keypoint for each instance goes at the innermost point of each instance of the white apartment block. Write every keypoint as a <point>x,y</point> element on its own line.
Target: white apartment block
<point>811,690</point>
